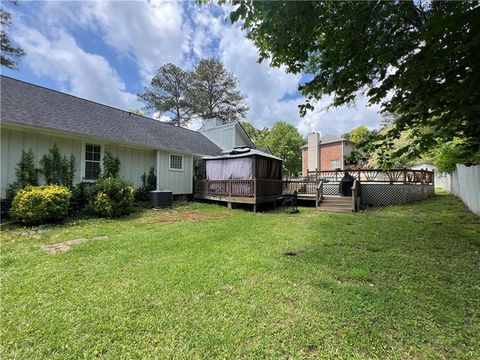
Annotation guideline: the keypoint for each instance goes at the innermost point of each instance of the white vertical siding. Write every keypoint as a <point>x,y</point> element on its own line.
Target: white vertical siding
<point>348,147</point>
<point>134,161</point>
<point>226,136</point>
<point>14,141</point>
<point>180,182</point>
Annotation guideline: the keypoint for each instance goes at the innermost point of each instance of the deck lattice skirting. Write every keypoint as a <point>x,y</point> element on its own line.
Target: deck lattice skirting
<point>392,194</point>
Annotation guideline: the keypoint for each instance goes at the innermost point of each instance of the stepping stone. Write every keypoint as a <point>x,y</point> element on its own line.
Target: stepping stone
<point>76,241</point>
<point>102,237</point>
<point>56,248</point>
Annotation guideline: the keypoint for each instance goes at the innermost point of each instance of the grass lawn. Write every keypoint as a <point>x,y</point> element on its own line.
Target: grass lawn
<point>202,281</point>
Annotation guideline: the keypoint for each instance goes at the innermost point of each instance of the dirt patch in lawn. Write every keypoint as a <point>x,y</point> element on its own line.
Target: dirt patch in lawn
<point>172,216</point>
<point>65,246</point>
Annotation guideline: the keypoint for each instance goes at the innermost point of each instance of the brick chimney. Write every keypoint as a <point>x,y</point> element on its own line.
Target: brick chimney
<point>313,151</point>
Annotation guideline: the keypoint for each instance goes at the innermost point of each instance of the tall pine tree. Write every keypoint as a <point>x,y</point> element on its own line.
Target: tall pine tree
<point>213,93</point>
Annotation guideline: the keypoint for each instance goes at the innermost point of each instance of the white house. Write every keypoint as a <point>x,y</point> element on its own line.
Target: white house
<point>34,117</point>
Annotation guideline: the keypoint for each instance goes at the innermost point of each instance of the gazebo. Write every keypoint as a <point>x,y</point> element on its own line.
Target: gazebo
<point>242,175</point>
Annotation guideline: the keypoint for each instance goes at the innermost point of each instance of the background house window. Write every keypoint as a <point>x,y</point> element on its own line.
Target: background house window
<point>335,164</point>
<point>92,161</point>
<point>176,162</point>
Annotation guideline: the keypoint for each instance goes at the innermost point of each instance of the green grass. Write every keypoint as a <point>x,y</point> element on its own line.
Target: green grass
<point>398,282</point>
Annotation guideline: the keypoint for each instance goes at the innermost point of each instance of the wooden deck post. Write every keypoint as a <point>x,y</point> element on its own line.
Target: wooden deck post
<point>229,205</point>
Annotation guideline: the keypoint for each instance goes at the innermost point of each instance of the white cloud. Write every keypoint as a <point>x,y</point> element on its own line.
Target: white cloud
<point>337,121</point>
<point>58,56</point>
<point>151,33</point>
<point>262,86</point>
<point>161,117</point>
<point>265,87</point>
<point>154,33</point>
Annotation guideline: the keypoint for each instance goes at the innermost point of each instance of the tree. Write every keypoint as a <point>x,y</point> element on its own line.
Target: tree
<point>213,93</point>
<point>359,134</point>
<point>167,93</point>
<point>111,166</point>
<point>393,154</point>
<point>136,112</point>
<point>285,142</point>
<point>418,61</point>
<point>449,154</point>
<point>258,136</point>
<point>10,55</point>
<point>57,169</point>
<point>27,173</point>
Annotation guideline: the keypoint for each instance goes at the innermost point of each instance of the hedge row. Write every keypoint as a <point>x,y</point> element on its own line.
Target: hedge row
<point>108,197</point>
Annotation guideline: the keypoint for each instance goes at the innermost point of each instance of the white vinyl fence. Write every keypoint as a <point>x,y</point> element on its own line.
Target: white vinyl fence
<point>463,182</point>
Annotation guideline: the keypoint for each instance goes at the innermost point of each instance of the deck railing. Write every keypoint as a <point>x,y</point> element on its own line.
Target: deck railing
<point>301,186</point>
<point>406,176</point>
<point>238,188</point>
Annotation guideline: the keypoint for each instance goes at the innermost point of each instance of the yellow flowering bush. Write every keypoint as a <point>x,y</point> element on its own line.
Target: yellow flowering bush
<point>112,197</point>
<point>41,204</point>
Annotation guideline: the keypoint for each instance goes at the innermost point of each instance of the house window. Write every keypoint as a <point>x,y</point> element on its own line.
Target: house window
<point>92,161</point>
<point>335,164</point>
<point>176,162</point>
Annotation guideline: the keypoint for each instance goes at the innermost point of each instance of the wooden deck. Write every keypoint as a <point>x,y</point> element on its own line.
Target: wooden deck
<point>252,191</point>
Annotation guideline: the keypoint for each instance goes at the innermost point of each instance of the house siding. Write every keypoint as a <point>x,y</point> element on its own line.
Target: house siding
<point>179,182</point>
<point>348,147</point>
<point>223,136</point>
<point>329,152</point>
<point>14,141</point>
<point>226,136</point>
<point>134,160</point>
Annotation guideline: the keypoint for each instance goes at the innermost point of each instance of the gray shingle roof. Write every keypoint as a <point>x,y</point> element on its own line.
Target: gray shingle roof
<point>328,139</point>
<point>31,105</point>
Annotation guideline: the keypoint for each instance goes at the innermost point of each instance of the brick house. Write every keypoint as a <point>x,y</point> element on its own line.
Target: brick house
<point>325,152</point>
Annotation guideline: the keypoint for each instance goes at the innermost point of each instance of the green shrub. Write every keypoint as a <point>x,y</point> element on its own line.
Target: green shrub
<point>40,204</point>
<point>149,183</point>
<point>27,173</point>
<point>112,197</point>
<point>111,166</point>
<point>81,196</point>
<point>6,203</point>
<point>449,154</point>
<point>57,169</point>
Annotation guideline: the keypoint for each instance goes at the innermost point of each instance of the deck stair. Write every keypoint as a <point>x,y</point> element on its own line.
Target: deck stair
<point>336,204</point>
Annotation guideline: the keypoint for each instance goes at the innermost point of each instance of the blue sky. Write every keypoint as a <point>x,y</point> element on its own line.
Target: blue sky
<point>108,51</point>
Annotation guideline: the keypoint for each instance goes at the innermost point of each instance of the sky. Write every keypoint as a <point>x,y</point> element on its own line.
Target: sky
<point>108,51</point>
